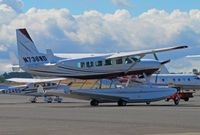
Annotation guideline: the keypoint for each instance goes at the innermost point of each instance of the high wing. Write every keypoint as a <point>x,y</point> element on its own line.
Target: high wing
<point>144,52</point>
<point>33,80</point>
<point>117,55</point>
<point>193,56</point>
<point>80,55</point>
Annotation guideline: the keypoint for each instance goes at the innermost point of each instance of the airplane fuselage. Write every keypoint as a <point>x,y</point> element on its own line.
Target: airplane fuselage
<point>95,67</point>
<point>185,82</point>
<point>31,89</point>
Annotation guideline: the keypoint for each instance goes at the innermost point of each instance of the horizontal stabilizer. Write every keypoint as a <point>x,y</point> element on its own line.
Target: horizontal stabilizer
<point>193,56</point>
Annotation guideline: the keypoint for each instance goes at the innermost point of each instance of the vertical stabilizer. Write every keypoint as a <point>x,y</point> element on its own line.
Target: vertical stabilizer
<point>26,46</point>
<point>164,70</point>
<point>27,51</point>
<point>14,62</point>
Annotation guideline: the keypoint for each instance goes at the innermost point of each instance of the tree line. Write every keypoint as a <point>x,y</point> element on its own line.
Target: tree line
<point>5,75</point>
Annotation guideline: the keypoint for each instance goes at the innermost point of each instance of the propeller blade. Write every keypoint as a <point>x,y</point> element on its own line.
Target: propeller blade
<point>164,62</point>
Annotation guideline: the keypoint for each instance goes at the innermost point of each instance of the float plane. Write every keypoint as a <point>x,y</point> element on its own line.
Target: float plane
<point>117,92</point>
<point>84,66</point>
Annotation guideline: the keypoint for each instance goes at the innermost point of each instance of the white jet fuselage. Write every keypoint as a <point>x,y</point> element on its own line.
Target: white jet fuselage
<point>185,82</point>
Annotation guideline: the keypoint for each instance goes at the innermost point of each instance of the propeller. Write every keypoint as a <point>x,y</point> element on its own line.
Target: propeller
<point>164,62</point>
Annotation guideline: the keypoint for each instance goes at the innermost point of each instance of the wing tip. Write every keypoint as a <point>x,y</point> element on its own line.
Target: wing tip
<point>181,47</point>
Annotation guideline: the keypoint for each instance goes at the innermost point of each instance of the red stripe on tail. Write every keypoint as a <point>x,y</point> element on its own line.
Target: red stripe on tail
<point>25,33</point>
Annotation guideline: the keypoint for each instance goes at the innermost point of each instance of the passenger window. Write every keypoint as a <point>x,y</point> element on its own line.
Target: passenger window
<point>174,80</point>
<point>82,64</point>
<point>108,62</point>
<point>43,84</point>
<point>98,63</point>
<point>79,65</point>
<point>128,61</point>
<point>179,80</point>
<point>119,61</point>
<point>188,79</point>
<point>163,80</point>
<point>53,84</point>
<point>89,64</point>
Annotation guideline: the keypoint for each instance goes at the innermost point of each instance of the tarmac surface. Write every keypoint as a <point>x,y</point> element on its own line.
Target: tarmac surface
<point>77,117</point>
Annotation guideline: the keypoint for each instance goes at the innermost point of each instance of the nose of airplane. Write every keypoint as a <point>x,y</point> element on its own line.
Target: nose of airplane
<point>152,64</point>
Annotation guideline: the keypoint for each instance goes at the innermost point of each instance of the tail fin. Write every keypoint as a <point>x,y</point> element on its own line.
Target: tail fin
<point>164,70</point>
<point>14,62</point>
<point>27,51</point>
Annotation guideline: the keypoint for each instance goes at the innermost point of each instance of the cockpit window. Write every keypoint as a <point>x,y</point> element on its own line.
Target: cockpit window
<point>198,78</point>
<point>135,58</point>
<point>128,61</point>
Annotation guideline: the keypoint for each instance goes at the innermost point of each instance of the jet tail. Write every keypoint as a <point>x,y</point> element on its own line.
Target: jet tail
<point>14,62</point>
<point>164,70</point>
<point>27,51</point>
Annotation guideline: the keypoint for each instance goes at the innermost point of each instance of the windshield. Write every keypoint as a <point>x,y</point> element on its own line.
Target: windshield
<point>135,58</point>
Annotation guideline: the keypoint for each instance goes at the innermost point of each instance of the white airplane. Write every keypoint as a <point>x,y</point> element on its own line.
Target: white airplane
<point>35,88</point>
<point>84,66</point>
<point>122,95</point>
<point>180,81</point>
